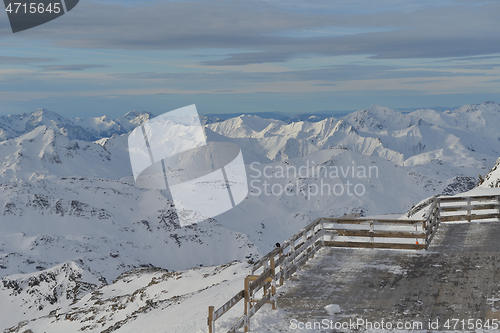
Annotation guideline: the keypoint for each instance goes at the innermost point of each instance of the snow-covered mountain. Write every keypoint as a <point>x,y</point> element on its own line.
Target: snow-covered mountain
<point>72,219</point>
<point>88,129</point>
<point>460,137</point>
<point>140,300</point>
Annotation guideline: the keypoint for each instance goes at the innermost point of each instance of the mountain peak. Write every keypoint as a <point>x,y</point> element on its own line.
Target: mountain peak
<point>47,114</point>
<point>488,106</point>
<point>133,118</point>
<point>135,114</point>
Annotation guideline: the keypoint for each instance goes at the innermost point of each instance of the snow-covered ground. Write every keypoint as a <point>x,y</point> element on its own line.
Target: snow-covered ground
<point>73,220</point>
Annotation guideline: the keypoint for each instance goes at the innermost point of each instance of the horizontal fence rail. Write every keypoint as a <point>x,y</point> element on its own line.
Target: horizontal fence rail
<point>375,233</point>
<point>278,265</point>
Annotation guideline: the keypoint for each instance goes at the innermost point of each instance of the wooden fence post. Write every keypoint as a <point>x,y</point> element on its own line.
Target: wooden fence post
<point>211,324</point>
<point>469,209</point>
<point>438,212</point>
<point>313,237</point>
<point>282,270</point>
<point>247,304</point>
<point>273,284</point>
<point>323,233</point>
<point>372,229</point>
<point>264,265</point>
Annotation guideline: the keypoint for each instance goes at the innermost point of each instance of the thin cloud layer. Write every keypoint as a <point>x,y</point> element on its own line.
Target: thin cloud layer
<point>75,67</point>
<point>12,60</point>
<point>255,29</point>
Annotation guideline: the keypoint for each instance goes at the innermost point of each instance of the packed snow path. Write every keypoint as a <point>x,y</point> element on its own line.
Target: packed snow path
<point>457,278</point>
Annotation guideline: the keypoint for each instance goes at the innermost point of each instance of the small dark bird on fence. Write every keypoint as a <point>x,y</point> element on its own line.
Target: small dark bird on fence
<point>278,245</point>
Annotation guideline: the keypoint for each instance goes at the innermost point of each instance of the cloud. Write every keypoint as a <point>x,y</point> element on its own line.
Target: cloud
<point>239,59</point>
<point>76,67</point>
<point>328,74</point>
<point>9,60</point>
<point>172,25</point>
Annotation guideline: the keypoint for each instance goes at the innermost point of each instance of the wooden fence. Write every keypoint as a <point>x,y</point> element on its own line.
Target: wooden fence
<point>275,267</point>
<point>378,231</point>
<point>279,264</point>
<point>469,209</point>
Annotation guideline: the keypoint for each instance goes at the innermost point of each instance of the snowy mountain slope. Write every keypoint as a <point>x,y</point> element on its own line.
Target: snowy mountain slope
<point>251,151</point>
<point>44,153</point>
<point>147,300</point>
<point>487,185</point>
<point>27,296</point>
<point>106,227</point>
<point>112,226</point>
<point>492,179</point>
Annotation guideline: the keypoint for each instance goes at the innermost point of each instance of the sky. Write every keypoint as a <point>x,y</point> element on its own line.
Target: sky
<point>108,57</point>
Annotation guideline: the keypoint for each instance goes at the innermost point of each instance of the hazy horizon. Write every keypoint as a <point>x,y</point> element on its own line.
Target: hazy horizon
<point>265,114</point>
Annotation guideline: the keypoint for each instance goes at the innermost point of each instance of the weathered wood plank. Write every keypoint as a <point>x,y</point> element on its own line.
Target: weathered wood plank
<point>366,220</point>
<point>471,207</point>
<point>238,325</point>
<point>387,234</point>
<point>259,282</point>
<point>255,277</point>
<point>429,239</point>
<point>211,326</point>
<point>451,218</point>
<point>375,245</point>
<point>229,304</point>
<point>259,304</point>
<point>476,198</point>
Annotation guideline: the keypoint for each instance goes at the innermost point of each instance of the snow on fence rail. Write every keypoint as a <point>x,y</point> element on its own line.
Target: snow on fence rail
<point>279,264</point>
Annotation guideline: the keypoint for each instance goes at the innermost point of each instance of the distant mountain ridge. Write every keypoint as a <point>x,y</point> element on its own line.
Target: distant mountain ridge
<point>467,136</point>
<point>87,129</point>
<point>415,138</point>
